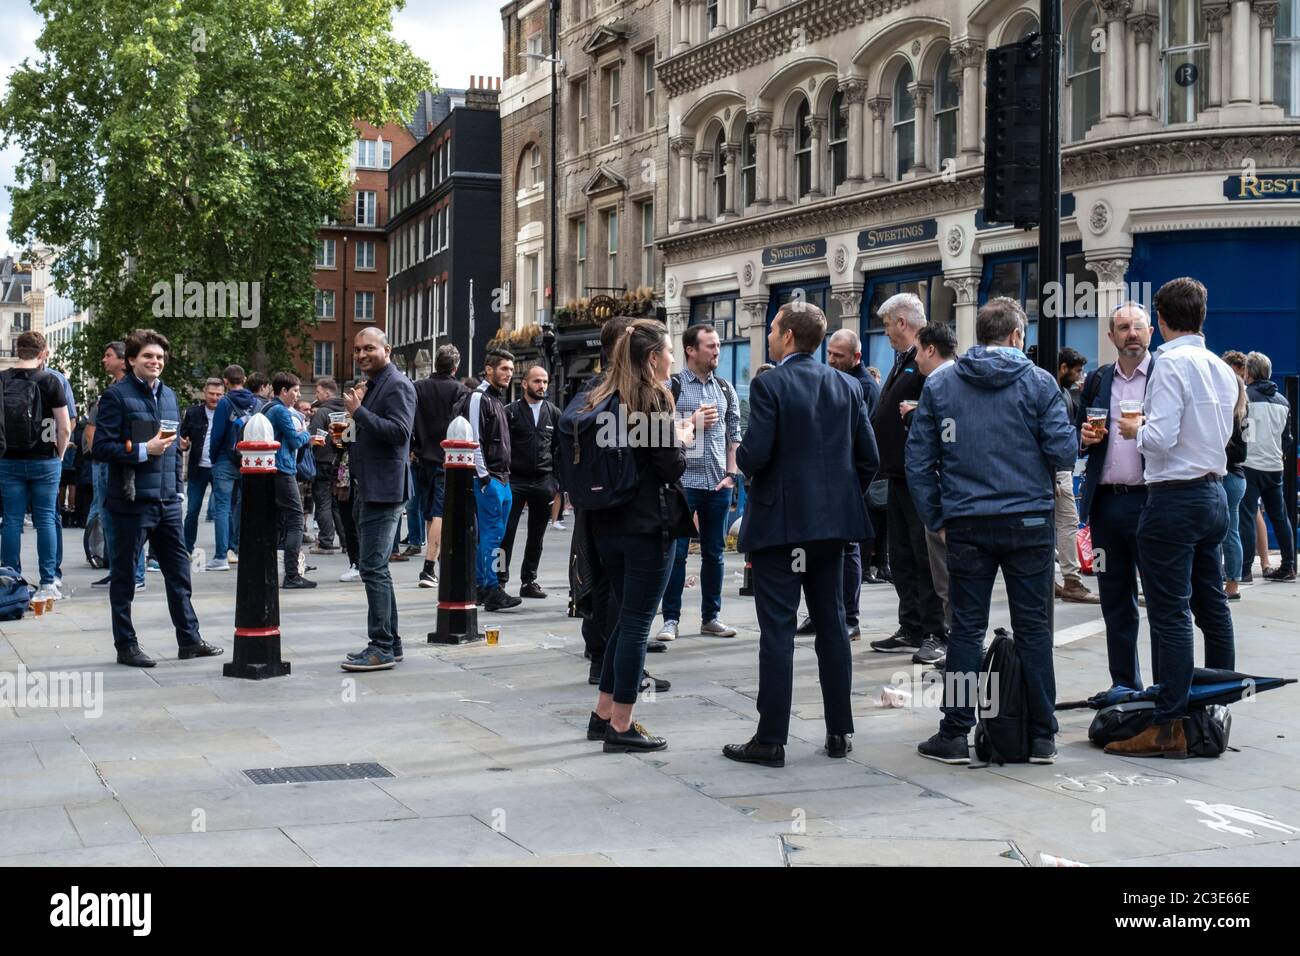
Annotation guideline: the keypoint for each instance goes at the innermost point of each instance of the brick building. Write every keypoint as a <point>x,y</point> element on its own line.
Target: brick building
<point>352,255</point>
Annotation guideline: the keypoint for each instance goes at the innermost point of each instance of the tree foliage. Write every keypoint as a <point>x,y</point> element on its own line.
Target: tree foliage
<point>202,138</point>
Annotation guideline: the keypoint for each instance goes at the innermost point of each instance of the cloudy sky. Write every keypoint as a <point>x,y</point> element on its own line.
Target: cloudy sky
<point>459,38</point>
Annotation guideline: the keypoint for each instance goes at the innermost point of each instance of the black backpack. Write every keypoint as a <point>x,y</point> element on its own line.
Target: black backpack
<point>238,420</point>
<point>597,474</point>
<point>94,542</point>
<point>1207,728</point>
<point>1002,724</point>
<point>24,410</point>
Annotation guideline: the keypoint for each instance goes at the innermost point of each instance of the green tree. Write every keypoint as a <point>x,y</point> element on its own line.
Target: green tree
<point>201,138</point>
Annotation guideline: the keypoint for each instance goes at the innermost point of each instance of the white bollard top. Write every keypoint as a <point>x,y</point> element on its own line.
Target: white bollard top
<point>259,428</point>
<point>460,430</point>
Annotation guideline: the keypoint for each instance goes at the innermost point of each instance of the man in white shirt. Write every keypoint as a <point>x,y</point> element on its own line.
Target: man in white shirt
<point>1182,436</point>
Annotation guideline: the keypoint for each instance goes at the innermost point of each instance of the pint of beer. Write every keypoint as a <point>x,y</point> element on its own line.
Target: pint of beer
<point>338,424</point>
<point>1130,408</point>
<point>318,439</point>
<point>168,428</point>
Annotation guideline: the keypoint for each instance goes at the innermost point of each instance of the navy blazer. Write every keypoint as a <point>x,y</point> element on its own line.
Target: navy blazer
<point>381,447</point>
<point>810,454</point>
<point>1096,454</point>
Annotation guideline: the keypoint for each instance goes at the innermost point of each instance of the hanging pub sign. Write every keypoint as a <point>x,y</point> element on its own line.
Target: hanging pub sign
<point>602,307</point>
<point>1262,186</point>
<point>794,252</point>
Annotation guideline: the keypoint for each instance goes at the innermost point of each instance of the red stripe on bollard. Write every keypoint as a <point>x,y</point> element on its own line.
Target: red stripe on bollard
<point>257,632</point>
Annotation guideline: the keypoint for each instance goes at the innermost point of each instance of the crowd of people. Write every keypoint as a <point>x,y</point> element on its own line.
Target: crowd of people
<point>951,469</point>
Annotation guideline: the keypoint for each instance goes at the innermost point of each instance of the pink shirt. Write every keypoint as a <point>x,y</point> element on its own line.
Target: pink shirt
<point>1123,464</point>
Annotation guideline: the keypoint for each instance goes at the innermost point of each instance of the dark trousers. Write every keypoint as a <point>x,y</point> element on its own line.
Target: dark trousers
<point>878,555</point>
<point>538,498</point>
<point>198,483</point>
<point>1178,548</point>
<point>852,581</point>
<point>1266,486</point>
<point>920,611</point>
<point>288,507</point>
<point>596,627</point>
<point>1023,546</point>
<point>162,525</point>
<point>328,518</point>
<point>777,584</point>
<point>348,532</point>
<point>637,566</point>
<point>1114,523</point>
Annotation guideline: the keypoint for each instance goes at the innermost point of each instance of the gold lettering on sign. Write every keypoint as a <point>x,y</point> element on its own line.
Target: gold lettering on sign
<point>896,234</point>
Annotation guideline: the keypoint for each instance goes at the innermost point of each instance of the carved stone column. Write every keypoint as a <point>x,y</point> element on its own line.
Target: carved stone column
<point>782,137</point>
<point>762,156</point>
<point>753,320</point>
<point>731,154</point>
<point>1143,29</point>
<point>1239,78</point>
<point>970,57</point>
<point>683,146</point>
<point>1115,11</point>
<point>1267,10</point>
<point>921,97</point>
<point>817,128</point>
<point>850,302</point>
<point>1111,291</point>
<point>879,106</point>
<point>967,288</point>
<point>702,161</point>
<point>855,95</point>
<point>1213,14</point>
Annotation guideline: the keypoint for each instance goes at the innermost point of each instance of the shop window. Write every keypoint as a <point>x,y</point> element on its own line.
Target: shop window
<point>938,300</point>
<point>733,354</point>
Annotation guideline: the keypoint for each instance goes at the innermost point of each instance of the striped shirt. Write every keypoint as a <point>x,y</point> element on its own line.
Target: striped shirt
<point>706,460</point>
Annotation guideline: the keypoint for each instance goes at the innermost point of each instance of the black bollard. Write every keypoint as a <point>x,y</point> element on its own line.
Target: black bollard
<point>747,583</point>
<point>457,609</point>
<point>257,585</point>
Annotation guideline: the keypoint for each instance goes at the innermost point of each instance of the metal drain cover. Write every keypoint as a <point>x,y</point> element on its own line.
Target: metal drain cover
<point>318,773</point>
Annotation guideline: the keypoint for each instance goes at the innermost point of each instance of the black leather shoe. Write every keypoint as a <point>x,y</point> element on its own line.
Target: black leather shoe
<point>870,577</point>
<point>838,745</point>
<point>596,727</point>
<point>661,686</point>
<point>656,647</point>
<point>768,755</point>
<point>132,656</point>
<point>635,739</point>
<point>593,673</point>
<point>532,590</point>
<point>297,584</point>
<point>806,626</point>
<point>498,600</point>
<point>201,649</point>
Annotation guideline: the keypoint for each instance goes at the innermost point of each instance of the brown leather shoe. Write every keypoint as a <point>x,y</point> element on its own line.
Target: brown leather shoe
<point>1158,740</point>
<point>1074,592</point>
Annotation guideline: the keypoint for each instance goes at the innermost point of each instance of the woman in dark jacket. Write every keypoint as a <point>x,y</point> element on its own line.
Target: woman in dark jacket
<point>635,541</point>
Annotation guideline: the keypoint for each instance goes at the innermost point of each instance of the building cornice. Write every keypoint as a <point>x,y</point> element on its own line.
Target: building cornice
<point>781,31</point>
<point>1169,152</point>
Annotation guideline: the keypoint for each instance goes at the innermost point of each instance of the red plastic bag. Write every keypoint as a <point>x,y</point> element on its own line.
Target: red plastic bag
<point>1083,542</point>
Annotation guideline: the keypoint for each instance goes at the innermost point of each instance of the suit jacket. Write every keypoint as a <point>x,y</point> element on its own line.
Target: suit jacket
<point>1095,455</point>
<point>810,454</point>
<point>381,448</point>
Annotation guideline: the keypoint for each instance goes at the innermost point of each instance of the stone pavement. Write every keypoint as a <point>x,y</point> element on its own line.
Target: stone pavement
<point>490,765</point>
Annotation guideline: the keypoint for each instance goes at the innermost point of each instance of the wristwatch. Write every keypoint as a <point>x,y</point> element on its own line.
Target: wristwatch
<point>734,476</point>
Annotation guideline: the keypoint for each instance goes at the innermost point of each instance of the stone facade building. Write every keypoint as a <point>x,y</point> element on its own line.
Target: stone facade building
<point>832,150</point>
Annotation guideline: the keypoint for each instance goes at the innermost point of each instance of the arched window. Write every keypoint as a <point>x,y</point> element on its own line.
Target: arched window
<point>1286,57</point>
<point>748,164</point>
<point>802,151</point>
<point>1082,72</point>
<point>838,124</point>
<point>947,95</point>
<point>719,174</point>
<point>1186,49</point>
<point>904,122</point>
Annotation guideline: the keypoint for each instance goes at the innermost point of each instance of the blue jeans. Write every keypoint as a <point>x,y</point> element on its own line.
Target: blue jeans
<point>376,525</point>
<point>1266,487</point>
<point>31,483</point>
<point>1234,486</point>
<point>1178,548</point>
<point>225,519</point>
<point>637,567</point>
<point>492,501</point>
<point>712,508</point>
<point>1023,546</point>
<point>198,483</point>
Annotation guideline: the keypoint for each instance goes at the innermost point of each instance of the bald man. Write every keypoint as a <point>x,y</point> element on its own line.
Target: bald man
<point>383,416</point>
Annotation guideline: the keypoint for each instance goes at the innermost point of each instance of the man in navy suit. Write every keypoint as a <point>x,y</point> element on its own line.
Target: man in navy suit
<point>383,416</point>
<point>810,454</point>
<point>1113,489</point>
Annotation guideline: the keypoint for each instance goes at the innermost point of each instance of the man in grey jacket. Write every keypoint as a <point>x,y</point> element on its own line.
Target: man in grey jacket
<point>985,444</point>
<point>1266,441</point>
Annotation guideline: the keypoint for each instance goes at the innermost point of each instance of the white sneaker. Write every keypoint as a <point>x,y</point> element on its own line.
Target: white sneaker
<point>716,628</point>
<point>57,587</point>
<point>217,565</point>
<point>559,525</point>
<point>45,593</point>
<point>351,574</point>
<point>232,557</point>
<point>668,632</point>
